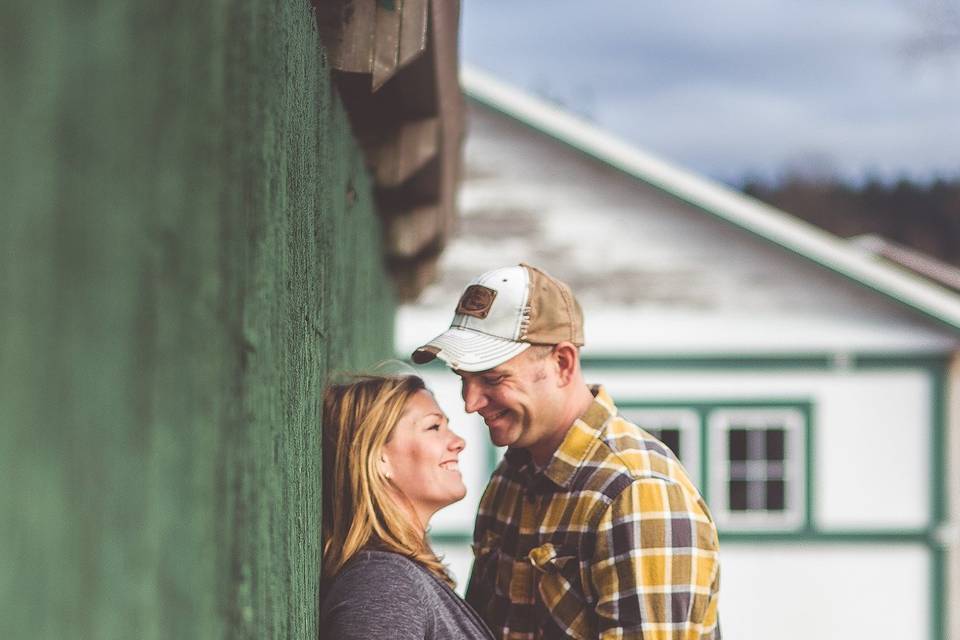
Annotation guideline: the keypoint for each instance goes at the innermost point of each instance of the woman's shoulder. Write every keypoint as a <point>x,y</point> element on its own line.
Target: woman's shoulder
<point>376,560</point>
<point>378,594</point>
<point>374,570</point>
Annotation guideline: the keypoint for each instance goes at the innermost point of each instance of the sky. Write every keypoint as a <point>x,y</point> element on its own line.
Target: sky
<point>743,88</point>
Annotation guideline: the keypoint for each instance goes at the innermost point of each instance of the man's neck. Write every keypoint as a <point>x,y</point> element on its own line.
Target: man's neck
<point>541,452</point>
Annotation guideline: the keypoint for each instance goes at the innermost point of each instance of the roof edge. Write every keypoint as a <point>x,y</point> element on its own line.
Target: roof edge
<point>747,213</point>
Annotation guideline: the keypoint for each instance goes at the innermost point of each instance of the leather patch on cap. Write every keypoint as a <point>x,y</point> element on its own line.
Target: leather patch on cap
<point>476,301</point>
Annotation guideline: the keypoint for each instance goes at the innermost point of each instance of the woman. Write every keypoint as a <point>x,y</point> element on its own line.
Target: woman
<point>390,461</point>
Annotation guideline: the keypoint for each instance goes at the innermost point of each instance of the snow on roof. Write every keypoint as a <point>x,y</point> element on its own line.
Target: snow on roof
<point>724,203</point>
<point>909,258</point>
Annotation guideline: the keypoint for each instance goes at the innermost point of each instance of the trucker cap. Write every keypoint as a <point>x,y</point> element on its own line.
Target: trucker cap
<point>500,314</point>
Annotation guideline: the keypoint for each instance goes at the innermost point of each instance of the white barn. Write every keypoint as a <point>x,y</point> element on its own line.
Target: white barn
<point>808,386</point>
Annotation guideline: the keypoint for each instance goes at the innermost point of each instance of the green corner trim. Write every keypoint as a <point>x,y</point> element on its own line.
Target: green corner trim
<point>939,421</point>
<point>938,593</point>
<point>814,362</point>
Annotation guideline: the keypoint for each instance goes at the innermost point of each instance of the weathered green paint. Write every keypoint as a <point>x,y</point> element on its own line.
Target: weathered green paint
<point>188,245</point>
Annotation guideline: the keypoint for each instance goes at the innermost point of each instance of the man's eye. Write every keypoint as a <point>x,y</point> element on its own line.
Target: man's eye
<point>496,380</point>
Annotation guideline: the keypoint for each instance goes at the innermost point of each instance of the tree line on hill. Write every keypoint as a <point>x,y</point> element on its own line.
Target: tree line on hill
<point>924,216</point>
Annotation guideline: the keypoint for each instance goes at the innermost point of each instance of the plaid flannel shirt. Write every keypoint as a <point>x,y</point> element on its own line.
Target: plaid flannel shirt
<point>609,540</point>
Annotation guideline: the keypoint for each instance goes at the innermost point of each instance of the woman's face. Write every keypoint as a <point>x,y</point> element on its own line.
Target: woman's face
<point>422,457</point>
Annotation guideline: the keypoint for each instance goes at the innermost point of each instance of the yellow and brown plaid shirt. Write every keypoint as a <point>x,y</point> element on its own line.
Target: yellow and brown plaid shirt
<point>609,540</point>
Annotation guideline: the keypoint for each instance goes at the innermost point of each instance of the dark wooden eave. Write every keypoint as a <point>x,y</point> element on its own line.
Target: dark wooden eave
<point>396,69</point>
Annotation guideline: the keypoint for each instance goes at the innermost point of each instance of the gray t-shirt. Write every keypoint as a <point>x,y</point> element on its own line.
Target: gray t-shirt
<point>385,595</point>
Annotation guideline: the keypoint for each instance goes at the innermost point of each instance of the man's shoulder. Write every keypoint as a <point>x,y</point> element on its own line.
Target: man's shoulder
<point>624,454</point>
<point>624,446</point>
<point>637,449</point>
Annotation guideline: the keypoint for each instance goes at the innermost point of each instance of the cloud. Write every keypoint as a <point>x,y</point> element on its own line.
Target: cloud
<point>739,86</point>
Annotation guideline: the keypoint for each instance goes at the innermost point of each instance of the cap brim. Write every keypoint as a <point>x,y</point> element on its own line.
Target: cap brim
<point>469,350</point>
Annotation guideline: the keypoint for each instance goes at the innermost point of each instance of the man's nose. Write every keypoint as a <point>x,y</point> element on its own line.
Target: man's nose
<point>473,398</point>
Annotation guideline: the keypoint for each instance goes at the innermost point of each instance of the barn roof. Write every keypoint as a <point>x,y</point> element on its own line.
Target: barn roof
<point>717,200</point>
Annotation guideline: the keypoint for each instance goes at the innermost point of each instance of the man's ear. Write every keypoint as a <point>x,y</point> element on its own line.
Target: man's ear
<point>567,360</point>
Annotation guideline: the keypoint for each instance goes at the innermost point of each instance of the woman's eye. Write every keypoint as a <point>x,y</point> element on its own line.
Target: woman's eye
<point>434,427</point>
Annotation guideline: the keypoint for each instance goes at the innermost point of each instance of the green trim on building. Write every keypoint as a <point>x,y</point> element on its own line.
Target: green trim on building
<point>714,361</point>
<point>828,536</point>
<point>450,537</point>
<point>494,454</point>
<point>709,404</point>
<point>810,471</point>
<point>705,444</point>
<point>816,362</point>
<point>938,593</point>
<point>938,452</point>
<point>939,422</point>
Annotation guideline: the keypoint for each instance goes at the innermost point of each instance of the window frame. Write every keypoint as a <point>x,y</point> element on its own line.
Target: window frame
<point>795,472</point>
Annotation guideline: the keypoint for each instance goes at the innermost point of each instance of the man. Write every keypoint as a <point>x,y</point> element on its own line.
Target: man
<point>589,527</point>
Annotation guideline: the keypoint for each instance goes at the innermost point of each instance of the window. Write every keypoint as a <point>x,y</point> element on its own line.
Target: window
<point>758,467</point>
<point>679,429</point>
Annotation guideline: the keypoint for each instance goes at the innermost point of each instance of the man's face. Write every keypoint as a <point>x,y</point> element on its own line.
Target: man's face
<point>517,400</point>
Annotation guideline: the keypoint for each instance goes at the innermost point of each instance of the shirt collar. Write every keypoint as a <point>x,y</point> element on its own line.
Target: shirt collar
<point>576,445</point>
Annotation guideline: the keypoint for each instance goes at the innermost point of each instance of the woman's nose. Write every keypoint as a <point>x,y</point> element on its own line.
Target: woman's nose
<point>457,444</point>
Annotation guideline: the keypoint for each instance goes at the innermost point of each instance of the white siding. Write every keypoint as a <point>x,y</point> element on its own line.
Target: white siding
<point>872,441</point>
<point>871,431</point>
<point>827,592</point>
<point>678,275</point>
<point>803,591</point>
<point>658,278</point>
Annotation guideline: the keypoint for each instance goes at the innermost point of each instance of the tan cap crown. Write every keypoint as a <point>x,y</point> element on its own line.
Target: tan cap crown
<point>500,314</point>
<point>555,314</point>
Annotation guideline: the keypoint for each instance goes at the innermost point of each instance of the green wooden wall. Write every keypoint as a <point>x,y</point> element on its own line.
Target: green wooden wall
<point>188,246</point>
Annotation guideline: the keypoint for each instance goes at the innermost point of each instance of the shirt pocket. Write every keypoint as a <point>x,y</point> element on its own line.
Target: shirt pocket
<point>486,557</point>
<point>501,574</point>
<point>561,590</point>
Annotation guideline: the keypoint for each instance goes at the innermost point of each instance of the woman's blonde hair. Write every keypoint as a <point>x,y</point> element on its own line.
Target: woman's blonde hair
<point>358,420</point>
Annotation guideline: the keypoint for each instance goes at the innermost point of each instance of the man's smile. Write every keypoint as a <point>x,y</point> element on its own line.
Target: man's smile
<point>493,417</point>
